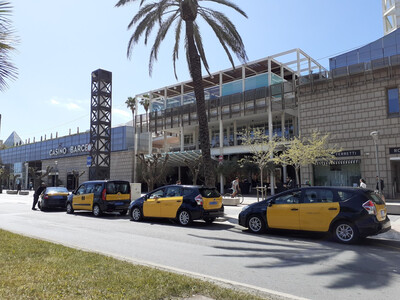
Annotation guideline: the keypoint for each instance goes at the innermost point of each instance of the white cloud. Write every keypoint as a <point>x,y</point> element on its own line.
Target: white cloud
<point>122,113</point>
<point>69,104</point>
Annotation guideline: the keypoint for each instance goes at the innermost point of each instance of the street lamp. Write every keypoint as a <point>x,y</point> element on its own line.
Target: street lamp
<point>375,136</point>
<point>56,162</point>
<point>26,175</point>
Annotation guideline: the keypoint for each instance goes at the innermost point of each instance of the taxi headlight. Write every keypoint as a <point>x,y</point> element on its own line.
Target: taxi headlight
<point>246,207</point>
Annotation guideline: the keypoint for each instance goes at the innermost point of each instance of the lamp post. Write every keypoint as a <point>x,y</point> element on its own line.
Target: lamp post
<point>375,136</point>
<point>26,175</point>
<point>56,162</point>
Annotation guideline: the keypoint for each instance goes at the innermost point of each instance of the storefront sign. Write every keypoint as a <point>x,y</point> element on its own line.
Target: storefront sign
<point>339,162</point>
<point>71,150</point>
<point>394,150</point>
<point>348,153</point>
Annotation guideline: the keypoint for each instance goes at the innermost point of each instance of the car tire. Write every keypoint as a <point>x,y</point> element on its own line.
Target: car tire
<point>345,232</point>
<point>97,210</point>
<point>70,210</point>
<point>41,207</point>
<point>136,214</point>
<point>184,218</point>
<point>256,224</point>
<point>209,220</point>
<point>123,213</point>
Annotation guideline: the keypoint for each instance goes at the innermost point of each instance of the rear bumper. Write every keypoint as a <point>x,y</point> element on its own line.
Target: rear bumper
<point>53,203</point>
<point>371,226</point>
<point>110,206</point>
<point>202,213</point>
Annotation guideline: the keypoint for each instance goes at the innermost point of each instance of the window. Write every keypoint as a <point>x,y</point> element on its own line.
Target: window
<point>173,191</point>
<point>318,196</point>
<point>81,190</point>
<point>393,101</point>
<point>343,196</point>
<point>288,198</point>
<point>158,193</point>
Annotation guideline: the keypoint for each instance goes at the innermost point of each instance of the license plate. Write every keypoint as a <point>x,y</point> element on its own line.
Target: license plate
<point>383,214</point>
<point>213,203</point>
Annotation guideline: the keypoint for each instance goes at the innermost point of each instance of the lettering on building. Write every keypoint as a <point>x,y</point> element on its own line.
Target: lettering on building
<point>338,162</point>
<point>348,153</point>
<point>395,150</point>
<point>71,150</point>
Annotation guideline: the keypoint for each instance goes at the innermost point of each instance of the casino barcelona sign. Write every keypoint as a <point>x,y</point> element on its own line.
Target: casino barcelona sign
<point>71,150</point>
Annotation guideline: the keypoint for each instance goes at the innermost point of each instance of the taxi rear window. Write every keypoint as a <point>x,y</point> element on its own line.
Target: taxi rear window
<point>118,187</point>
<point>375,198</point>
<point>209,193</point>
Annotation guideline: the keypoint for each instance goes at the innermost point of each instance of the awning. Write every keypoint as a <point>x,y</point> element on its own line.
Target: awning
<point>177,159</point>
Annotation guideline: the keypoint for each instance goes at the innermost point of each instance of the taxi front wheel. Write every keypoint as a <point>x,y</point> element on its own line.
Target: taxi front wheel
<point>256,224</point>
<point>184,218</point>
<point>70,210</point>
<point>136,214</point>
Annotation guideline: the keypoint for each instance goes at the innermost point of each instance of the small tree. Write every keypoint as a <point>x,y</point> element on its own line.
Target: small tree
<point>77,175</point>
<point>38,175</point>
<point>195,167</point>
<point>302,151</point>
<point>262,149</point>
<point>153,168</point>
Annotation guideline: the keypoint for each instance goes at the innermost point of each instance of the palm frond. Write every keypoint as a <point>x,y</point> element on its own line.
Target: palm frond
<point>159,38</point>
<point>123,2</point>
<point>175,54</point>
<point>229,4</point>
<point>200,48</point>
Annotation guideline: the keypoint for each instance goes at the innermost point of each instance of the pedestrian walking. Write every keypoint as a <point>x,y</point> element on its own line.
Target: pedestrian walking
<point>235,187</point>
<point>37,193</point>
<point>362,183</point>
<point>377,184</point>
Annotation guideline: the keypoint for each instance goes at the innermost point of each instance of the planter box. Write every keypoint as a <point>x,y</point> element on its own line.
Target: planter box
<point>24,193</point>
<point>230,201</point>
<point>12,192</point>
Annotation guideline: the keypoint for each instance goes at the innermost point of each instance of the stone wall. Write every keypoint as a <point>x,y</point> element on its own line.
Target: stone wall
<point>350,108</point>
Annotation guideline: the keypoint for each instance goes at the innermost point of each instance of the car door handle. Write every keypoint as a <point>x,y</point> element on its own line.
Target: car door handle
<point>83,197</point>
<point>294,209</point>
<point>178,201</point>
<point>158,201</point>
<point>332,208</point>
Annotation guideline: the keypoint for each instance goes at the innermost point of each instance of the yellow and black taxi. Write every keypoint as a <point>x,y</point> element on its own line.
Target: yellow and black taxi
<point>101,196</point>
<point>181,202</point>
<point>348,213</point>
<point>53,197</point>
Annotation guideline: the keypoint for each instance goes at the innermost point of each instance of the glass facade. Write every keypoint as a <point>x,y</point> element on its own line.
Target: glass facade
<point>393,101</point>
<point>384,47</point>
<point>67,146</point>
<point>337,175</point>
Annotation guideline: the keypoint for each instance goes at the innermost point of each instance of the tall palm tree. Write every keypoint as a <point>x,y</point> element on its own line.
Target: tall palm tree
<point>7,42</point>
<point>145,102</point>
<point>131,104</point>
<point>167,12</point>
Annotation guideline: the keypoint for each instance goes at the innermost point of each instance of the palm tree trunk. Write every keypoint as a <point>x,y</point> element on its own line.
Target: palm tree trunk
<point>195,72</point>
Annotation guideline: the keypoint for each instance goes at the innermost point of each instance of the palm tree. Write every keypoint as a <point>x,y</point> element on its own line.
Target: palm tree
<point>145,102</point>
<point>7,42</point>
<point>167,12</point>
<point>131,104</point>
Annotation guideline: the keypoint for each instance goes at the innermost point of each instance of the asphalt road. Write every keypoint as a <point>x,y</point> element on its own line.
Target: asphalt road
<point>286,263</point>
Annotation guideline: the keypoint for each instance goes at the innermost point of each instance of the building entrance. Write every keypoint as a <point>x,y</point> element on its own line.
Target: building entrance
<point>395,188</point>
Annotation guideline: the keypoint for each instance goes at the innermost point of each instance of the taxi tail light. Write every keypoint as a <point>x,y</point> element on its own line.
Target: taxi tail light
<point>46,196</point>
<point>369,206</point>
<point>199,200</point>
<point>103,195</point>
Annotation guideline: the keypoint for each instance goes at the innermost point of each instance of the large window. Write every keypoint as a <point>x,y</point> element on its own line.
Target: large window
<point>393,101</point>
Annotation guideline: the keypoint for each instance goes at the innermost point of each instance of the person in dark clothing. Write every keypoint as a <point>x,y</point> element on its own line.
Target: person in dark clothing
<point>37,193</point>
<point>377,183</point>
<point>289,184</point>
<point>19,186</point>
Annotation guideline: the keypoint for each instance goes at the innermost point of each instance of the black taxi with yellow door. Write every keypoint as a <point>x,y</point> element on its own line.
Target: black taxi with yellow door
<point>348,213</point>
<point>181,202</point>
<point>101,196</point>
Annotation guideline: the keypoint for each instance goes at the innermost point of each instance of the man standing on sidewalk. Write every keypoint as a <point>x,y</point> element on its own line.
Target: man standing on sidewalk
<point>37,193</point>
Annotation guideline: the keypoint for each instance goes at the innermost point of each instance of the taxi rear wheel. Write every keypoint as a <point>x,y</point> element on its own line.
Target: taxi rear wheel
<point>96,211</point>
<point>70,210</point>
<point>256,224</point>
<point>184,218</point>
<point>345,232</point>
<point>136,214</point>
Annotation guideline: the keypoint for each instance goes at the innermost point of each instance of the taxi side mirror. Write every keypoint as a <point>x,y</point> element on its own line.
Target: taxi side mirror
<point>270,203</point>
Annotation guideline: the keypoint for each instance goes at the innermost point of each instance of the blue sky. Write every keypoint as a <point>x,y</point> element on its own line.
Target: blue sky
<point>62,42</point>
